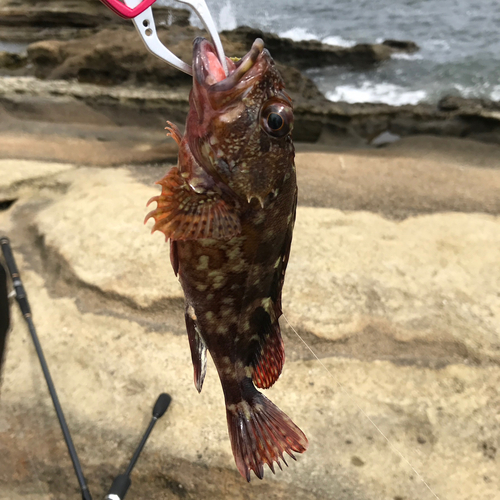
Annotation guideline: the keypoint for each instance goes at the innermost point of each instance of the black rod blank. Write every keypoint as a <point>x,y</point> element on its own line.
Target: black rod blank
<point>22,300</point>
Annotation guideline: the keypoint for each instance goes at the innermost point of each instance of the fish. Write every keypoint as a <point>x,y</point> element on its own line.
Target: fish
<point>228,209</point>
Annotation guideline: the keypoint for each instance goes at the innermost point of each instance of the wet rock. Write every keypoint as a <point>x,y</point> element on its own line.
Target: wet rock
<point>34,20</point>
<point>402,45</point>
<point>109,57</point>
<point>11,61</point>
<point>314,54</point>
<point>114,56</point>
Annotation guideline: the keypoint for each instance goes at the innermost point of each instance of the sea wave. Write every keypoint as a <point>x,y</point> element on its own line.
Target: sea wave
<point>407,57</point>
<point>298,34</point>
<point>495,93</point>
<point>338,41</point>
<point>227,17</point>
<point>371,92</point>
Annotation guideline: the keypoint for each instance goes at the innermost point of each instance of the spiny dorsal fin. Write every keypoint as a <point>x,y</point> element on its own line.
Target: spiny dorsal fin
<point>174,132</point>
<point>183,214</point>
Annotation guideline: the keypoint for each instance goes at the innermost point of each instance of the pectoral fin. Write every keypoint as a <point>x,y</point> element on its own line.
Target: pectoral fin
<point>183,214</point>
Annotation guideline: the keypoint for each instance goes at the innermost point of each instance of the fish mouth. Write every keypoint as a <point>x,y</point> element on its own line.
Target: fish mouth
<point>208,69</point>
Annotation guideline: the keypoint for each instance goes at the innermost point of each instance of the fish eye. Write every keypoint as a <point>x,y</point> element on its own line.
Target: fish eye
<point>275,122</point>
<point>277,118</point>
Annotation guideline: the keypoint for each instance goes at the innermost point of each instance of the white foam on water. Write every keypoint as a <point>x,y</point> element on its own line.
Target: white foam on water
<point>440,45</point>
<point>227,18</point>
<point>298,34</point>
<point>495,93</point>
<point>338,41</point>
<point>407,57</point>
<point>386,93</point>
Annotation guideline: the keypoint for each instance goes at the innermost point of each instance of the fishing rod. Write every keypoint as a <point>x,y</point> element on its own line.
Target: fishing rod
<point>122,482</point>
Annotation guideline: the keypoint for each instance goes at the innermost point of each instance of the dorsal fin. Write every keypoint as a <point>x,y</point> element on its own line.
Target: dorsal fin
<point>183,214</point>
<point>174,132</point>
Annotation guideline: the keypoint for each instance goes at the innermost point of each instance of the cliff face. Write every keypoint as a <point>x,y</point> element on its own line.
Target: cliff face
<point>86,43</point>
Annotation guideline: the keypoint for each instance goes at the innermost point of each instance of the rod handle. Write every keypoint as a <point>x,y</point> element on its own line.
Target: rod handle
<point>21,297</point>
<point>161,405</point>
<point>119,487</point>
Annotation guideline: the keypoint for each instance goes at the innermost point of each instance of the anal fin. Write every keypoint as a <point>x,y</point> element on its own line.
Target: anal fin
<point>198,350</point>
<point>269,361</point>
<point>268,358</point>
<point>184,214</point>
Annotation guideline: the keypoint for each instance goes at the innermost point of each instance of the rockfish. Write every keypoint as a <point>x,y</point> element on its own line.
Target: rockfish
<point>228,209</point>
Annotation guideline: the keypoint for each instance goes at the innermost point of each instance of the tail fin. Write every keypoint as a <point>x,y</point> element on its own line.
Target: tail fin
<point>260,433</point>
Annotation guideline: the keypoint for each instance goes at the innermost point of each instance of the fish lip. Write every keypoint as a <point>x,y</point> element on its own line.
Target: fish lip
<point>201,71</point>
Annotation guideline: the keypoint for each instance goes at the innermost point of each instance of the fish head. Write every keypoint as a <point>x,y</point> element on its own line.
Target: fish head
<point>239,126</point>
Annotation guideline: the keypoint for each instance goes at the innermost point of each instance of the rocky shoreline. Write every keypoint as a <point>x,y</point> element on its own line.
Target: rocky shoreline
<point>83,43</point>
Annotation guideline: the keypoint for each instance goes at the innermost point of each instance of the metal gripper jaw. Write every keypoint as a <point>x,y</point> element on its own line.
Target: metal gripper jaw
<point>141,13</point>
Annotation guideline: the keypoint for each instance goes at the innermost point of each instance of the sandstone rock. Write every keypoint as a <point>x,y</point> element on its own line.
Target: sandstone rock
<point>413,176</point>
<point>316,119</point>
<point>19,177</point>
<point>361,269</point>
<point>361,289</point>
<point>109,364</point>
<point>115,207</point>
<point>420,283</point>
<point>111,56</point>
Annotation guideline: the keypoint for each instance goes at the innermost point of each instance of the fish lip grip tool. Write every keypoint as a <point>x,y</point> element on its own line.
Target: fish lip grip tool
<point>141,13</point>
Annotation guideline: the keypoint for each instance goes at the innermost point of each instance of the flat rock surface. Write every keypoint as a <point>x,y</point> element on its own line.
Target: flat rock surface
<point>415,175</point>
<point>105,210</point>
<point>401,307</point>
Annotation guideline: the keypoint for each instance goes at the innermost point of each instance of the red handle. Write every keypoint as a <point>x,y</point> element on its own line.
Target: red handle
<point>126,12</point>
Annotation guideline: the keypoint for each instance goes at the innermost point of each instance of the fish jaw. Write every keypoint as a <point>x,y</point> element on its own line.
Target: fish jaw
<point>228,123</point>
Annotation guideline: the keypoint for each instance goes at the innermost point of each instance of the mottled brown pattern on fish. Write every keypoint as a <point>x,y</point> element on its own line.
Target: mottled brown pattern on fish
<point>228,209</point>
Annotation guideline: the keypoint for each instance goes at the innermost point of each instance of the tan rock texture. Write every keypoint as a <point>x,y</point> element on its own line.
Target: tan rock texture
<point>402,310</point>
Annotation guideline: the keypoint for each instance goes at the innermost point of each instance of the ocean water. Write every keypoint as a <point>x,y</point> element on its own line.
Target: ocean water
<point>459,43</point>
